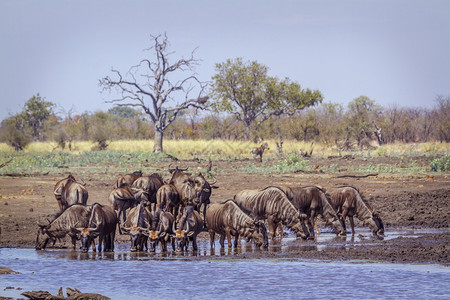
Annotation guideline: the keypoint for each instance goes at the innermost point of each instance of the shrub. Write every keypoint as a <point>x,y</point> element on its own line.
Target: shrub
<point>441,164</point>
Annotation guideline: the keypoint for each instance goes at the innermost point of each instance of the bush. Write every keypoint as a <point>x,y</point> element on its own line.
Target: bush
<point>441,164</point>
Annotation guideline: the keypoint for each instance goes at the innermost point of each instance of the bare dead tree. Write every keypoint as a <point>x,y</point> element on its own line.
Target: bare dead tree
<point>154,86</point>
<point>378,135</point>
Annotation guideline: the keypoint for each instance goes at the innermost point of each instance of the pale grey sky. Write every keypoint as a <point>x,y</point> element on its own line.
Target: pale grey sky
<point>396,52</point>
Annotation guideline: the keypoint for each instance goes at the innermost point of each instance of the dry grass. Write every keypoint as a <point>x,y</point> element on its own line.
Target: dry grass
<point>186,149</point>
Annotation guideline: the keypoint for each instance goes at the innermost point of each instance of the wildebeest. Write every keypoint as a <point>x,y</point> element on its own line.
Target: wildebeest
<point>272,204</point>
<point>187,228</point>
<point>312,201</point>
<point>349,202</point>
<point>178,176</point>
<point>136,225</point>
<point>71,192</point>
<point>122,199</point>
<point>203,190</point>
<point>127,178</point>
<point>150,184</point>
<point>102,224</point>
<point>259,151</point>
<point>167,199</point>
<point>76,215</point>
<point>227,219</point>
<point>161,229</point>
<point>58,190</point>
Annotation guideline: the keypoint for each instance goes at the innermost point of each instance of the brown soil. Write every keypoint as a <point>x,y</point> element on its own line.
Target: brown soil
<point>403,200</point>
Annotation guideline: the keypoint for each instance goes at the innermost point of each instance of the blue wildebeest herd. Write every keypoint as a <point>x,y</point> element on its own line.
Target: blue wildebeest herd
<point>155,212</point>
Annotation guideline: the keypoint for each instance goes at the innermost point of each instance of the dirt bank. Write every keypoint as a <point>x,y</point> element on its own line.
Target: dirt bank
<point>402,200</point>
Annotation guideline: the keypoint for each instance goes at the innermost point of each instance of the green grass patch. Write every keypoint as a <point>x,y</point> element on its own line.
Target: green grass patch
<point>441,164</point>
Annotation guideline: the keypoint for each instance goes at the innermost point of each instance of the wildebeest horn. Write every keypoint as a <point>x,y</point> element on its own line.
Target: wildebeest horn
<point>125,229</point>
<point>174,227</point>
<point>188,229</point>
<point>215,180</point>
<point>84,183</point>
<point>77,230</point>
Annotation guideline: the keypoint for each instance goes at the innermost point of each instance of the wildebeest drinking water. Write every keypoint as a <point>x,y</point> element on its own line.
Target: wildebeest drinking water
<point>349,202</point>
<point>76,215</point>
<point>136,225</point>
<point>102,224</point>
<point>187,228</point>
<point>160,229</point>
<point>313,201</point>
<point>227,219</point>
<point>272,204</point>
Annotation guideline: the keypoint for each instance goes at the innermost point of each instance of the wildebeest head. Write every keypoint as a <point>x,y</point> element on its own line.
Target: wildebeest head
<point>203,187</point>
<point>182,238</point>
<point>375,223</point>
<point>154,237</point>
<point>259,234</point>
<point>182,234</point>
<point>301,227</point>
<point>41,242</point>
<point>337,225</point>
<point>86,236</point>
<point>136,235</point>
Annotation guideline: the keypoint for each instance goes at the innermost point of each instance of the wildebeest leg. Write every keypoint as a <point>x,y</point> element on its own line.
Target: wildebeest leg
<point>237,240</point>
<point>344,215</point>
<point>352,224</point>
<point>194,242</point>
<point>112,237</point>
<point>93,246</point>
<point>314,223</point>
<point>272,226</point>
<point>212,235</point>
<point>74,241</point>
<point>228,238</point>
<point>222,241</point>
<point>163,245</point>
<point>204,214</point>
<point>280,230</point>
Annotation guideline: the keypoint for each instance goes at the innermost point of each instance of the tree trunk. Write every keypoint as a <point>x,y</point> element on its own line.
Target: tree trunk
<point>158,147</point>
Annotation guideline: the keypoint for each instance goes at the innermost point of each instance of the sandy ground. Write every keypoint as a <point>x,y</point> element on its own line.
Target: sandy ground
<point>404,201</point>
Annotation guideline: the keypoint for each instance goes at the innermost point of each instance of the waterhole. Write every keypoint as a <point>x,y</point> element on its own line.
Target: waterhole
<point>219,274</point>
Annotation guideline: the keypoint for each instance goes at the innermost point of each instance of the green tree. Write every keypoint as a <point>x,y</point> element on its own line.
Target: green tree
<point>15,133</point>
<point>124,112</point>
<point>244,90</point>
<point>35,113</point>
<point>101,129</point>
<point>160,88</point>
<point>442,117</point>
<point>362,113</point>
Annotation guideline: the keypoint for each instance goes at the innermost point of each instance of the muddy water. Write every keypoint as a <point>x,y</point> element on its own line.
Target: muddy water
<point>207,274</point>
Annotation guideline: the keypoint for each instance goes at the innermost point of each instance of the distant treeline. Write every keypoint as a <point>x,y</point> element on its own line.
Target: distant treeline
<point>361,123</point>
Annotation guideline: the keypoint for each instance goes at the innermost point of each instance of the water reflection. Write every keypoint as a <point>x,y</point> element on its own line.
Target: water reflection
<point>286,244</point>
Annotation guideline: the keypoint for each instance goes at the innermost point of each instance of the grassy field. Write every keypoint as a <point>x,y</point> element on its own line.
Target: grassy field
<point>124,156</point>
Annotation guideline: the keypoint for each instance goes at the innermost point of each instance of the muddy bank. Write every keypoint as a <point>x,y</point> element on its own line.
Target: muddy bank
<point>403,201</point>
